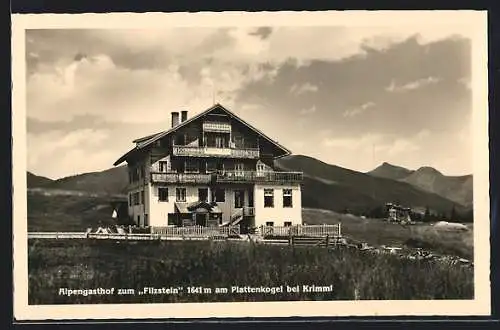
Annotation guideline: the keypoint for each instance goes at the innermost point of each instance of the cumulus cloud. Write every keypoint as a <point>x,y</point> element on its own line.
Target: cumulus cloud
<point>308,111</point>
<point>412,84</point>
<point>57,154</point>
<point>358,110</point>
<point>130,80</point>
<point>304,88</point>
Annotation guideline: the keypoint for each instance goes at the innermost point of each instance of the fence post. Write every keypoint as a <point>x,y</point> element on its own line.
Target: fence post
<point>339,231</point>
<point>327,240</point>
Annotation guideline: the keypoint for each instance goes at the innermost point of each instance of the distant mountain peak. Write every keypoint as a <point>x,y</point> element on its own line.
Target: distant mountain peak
<point>428,170</point>
<point>390,171</point>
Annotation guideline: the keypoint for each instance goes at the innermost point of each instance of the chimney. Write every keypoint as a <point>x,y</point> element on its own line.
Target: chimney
<point>184,116</point>
<point>175,118</point>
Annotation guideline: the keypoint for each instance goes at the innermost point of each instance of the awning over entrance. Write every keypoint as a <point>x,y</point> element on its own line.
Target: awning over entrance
<point>197,207</point>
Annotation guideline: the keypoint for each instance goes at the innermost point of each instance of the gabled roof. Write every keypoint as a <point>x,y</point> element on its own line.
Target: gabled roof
<point>148,140</point>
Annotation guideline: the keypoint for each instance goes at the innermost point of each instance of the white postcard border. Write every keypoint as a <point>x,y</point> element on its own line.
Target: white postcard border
<point>474,20</point>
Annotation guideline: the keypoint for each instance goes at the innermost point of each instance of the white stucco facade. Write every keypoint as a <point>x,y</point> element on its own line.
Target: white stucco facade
<point>278,215</point>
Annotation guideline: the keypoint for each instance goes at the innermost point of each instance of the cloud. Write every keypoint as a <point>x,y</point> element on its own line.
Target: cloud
<point>308,111</point>
<point>412,85</point>
<point>96,86</point>
<point>304,88</point>
<point>56,153</point>
<point>262,32</point>
<point>358,110</point>
<point>125,83</point>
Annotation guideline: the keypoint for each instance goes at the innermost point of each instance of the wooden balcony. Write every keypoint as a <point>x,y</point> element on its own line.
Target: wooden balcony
<point>216,127</point>
<point>228,177</point>
<point>255,177</point>
<point>158,177</point>
<point>194,151</point>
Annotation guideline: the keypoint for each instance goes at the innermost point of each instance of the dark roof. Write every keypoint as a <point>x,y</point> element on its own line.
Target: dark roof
<point>148,140</point>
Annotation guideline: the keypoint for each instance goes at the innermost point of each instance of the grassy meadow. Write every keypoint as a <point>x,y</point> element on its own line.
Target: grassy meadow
<point>86,264</point>
<point>83,264</point>
<point>378,232</point>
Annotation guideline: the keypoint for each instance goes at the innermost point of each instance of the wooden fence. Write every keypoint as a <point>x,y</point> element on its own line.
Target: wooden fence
<point>300,230</point>
<point>56,235</point>
<point>197,231</point>
<point>266,232</point>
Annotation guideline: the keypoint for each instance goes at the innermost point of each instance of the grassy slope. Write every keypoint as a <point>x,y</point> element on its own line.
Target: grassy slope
<point>353,274</point>
<point>61,212</point>
<point>111,181</point>
<point>33,180</point>
<point>455,188</point>
<point>378,232</point>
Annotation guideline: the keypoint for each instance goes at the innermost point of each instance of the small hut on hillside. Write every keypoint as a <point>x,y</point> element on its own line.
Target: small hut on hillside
<point>398,213</point>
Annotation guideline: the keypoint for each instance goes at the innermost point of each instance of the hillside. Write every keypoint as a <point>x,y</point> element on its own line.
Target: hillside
<point>111,181</point>
<point>456,188</point>
<point>35,181</point>
<point>389,171</point>
<point>335,188</point>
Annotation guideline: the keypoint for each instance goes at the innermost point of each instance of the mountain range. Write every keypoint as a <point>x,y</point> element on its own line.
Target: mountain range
<point>455,188</point>
<point>325,186</point>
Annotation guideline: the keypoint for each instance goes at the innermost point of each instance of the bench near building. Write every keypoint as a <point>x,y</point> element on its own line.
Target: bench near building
<point>213,169</point>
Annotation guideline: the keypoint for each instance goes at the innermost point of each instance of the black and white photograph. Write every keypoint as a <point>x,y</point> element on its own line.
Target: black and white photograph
<point>250,164</point>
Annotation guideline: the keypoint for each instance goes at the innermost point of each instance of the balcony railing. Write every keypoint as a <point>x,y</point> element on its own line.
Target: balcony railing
<point>157,177</point>
<point>256,176</point>
<point>228,177</point>
<point>193,151</point>
<point>216,127</point>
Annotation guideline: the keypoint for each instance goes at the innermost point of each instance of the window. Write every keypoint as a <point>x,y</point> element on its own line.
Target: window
<point>288,223</point>
<point>203,194</point>
<point>238,198</point>
<point>135,198</point>
<point>163,194</point>
<point>268,198</point>
<point>180,194</point>
<point>143,172</point>
<point>130,199</point>
<point>134,174</point>
<point>270,224</point>
<point>287,197</point>
<point>211,166</point>
<point>218,195</point>
<point>172,219</point>
<point>142,196</point>
<point>191,166</point>
<point>163,166</point>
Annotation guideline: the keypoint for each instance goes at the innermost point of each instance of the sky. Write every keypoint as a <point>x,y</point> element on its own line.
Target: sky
<point>350,96</point>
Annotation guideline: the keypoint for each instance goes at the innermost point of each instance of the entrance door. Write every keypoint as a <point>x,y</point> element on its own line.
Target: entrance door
<point>203,194</point>
<point>239,196</point>
<point>201,219</point>
<point>250,198</point>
